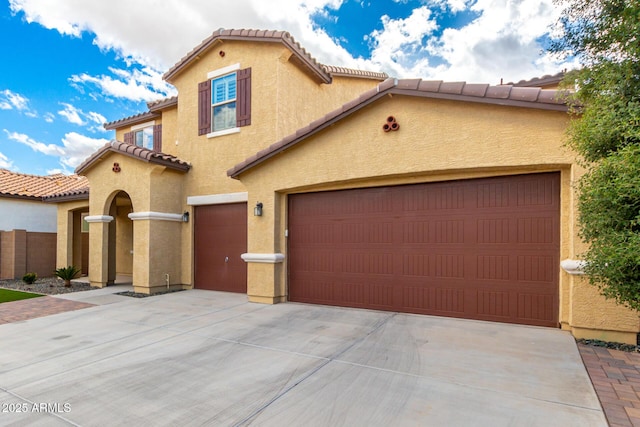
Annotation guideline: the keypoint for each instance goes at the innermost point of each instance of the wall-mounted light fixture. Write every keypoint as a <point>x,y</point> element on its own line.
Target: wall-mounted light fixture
<point>185,217</point>
<point>257,211</point>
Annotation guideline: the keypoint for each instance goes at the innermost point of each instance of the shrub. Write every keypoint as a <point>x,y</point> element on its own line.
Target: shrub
<point>67,274</point>
<point>30,278</point>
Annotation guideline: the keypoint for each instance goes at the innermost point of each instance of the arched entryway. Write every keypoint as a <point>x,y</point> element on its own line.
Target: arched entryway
<point>120,243</point>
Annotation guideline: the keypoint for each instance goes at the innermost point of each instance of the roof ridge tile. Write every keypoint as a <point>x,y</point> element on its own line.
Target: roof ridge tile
<point>134,151</point>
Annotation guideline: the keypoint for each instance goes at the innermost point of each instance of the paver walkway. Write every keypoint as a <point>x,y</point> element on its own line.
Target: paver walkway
<point>615,376</point>
<point>31,308</point>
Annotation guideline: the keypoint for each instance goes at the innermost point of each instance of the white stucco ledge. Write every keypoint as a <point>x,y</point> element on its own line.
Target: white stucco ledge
<point>263,258</point>
<point>158,216</point>
<point>98,218</point>
<point>573,266</point>
<point>217,199</point>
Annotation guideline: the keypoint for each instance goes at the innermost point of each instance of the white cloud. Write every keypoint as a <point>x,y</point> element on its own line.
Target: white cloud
<point>136,85</point>
<point>78,147</point>
<point>40,147</point>
<point>400,43</point>
<point>72,114</point>
<point>74,150</point>
<point>13,101</point>
<point>49,117</point>
<point>5,163</point>
<point>501,42</point>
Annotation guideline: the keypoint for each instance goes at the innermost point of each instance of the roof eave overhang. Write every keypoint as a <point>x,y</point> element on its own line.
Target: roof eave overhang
<point>21,197</point>
<point>66,197</point>
<point>140,118</point>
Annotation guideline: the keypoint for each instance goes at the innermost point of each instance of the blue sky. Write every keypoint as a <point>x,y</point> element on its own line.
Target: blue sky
<point>71,65</point>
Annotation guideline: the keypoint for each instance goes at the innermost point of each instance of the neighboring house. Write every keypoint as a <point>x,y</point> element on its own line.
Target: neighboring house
<point>27,224</point>
<point>273,175</point>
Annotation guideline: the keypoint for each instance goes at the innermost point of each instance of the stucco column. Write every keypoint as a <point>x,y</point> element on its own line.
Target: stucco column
<point>99,249</point>
<point>156,251</point>
<point>265,260</point>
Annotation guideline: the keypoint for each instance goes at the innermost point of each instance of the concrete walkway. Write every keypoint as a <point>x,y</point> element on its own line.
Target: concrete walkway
<point>211,358</point>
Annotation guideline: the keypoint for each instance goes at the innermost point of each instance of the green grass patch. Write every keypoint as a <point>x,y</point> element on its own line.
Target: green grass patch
<point>7,295</point>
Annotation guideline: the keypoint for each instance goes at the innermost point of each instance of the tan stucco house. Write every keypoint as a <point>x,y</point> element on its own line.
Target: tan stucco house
<point>289,180</point>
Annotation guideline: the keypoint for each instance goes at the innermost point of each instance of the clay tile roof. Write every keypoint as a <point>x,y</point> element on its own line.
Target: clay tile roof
<point>547,80</point>
<point>301,56</point>
<point>79,194</point>
<point>505,95</point>
<point>132,120</point>
<point>161,104</point>
<point>136,152</point>
<point>13,184</point>
<point>342,71</point>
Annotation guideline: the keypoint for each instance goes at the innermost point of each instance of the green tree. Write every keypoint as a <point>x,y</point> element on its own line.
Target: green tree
<point>604,36</point>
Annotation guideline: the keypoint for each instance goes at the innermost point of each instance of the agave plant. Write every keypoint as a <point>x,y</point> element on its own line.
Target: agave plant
<point>67,274</point>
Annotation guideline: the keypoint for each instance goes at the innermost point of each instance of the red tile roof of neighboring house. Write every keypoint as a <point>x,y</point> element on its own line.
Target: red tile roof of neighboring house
<point>300,56</point>
<point>136,152</point>
<point>18,185</point>
<point>65,196</point>
<point>507,95</point>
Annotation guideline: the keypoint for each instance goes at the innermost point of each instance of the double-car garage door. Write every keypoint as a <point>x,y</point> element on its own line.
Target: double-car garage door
<point>484,249</point>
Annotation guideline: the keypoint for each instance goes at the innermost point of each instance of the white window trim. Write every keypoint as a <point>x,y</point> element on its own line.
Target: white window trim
<point>223,132</point>
<point>222,71</point>
<point>217,199</point>
<point>143,125</point>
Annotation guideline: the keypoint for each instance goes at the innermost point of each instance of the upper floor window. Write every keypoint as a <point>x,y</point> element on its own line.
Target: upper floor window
<point>146,135</point>
<point>224,101</point>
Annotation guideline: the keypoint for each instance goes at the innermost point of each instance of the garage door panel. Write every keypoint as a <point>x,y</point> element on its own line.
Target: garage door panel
<point>483,249</point>
<point>220,237</point>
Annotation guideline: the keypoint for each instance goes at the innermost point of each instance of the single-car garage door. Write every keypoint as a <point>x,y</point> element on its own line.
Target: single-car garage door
<point>220,238</point>
<point>484,249</point>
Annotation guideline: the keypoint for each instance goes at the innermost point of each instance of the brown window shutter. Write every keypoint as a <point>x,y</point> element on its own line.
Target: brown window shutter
<point>204,107</point>
<point>243,98</point>
<point>157,138</point>
<point>128,138</point>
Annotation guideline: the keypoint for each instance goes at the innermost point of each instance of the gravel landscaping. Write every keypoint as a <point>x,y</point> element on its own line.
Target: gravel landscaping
<point>45,285</point>
<point>611,345</point>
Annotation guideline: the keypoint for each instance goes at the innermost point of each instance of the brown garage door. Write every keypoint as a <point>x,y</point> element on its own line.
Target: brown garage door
<point>220,239</point>
<point>483,249</point>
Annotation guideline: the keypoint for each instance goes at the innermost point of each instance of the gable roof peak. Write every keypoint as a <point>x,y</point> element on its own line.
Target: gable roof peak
<point>139,153</point>
<point>268,36</point>
<point>321,73</point>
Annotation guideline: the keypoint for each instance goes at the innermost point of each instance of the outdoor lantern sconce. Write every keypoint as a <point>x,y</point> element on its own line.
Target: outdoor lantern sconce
<point>185,217</point>
<point>257,211</point>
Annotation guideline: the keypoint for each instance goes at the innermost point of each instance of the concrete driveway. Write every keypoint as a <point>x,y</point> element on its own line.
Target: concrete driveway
<point>211,358</point>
